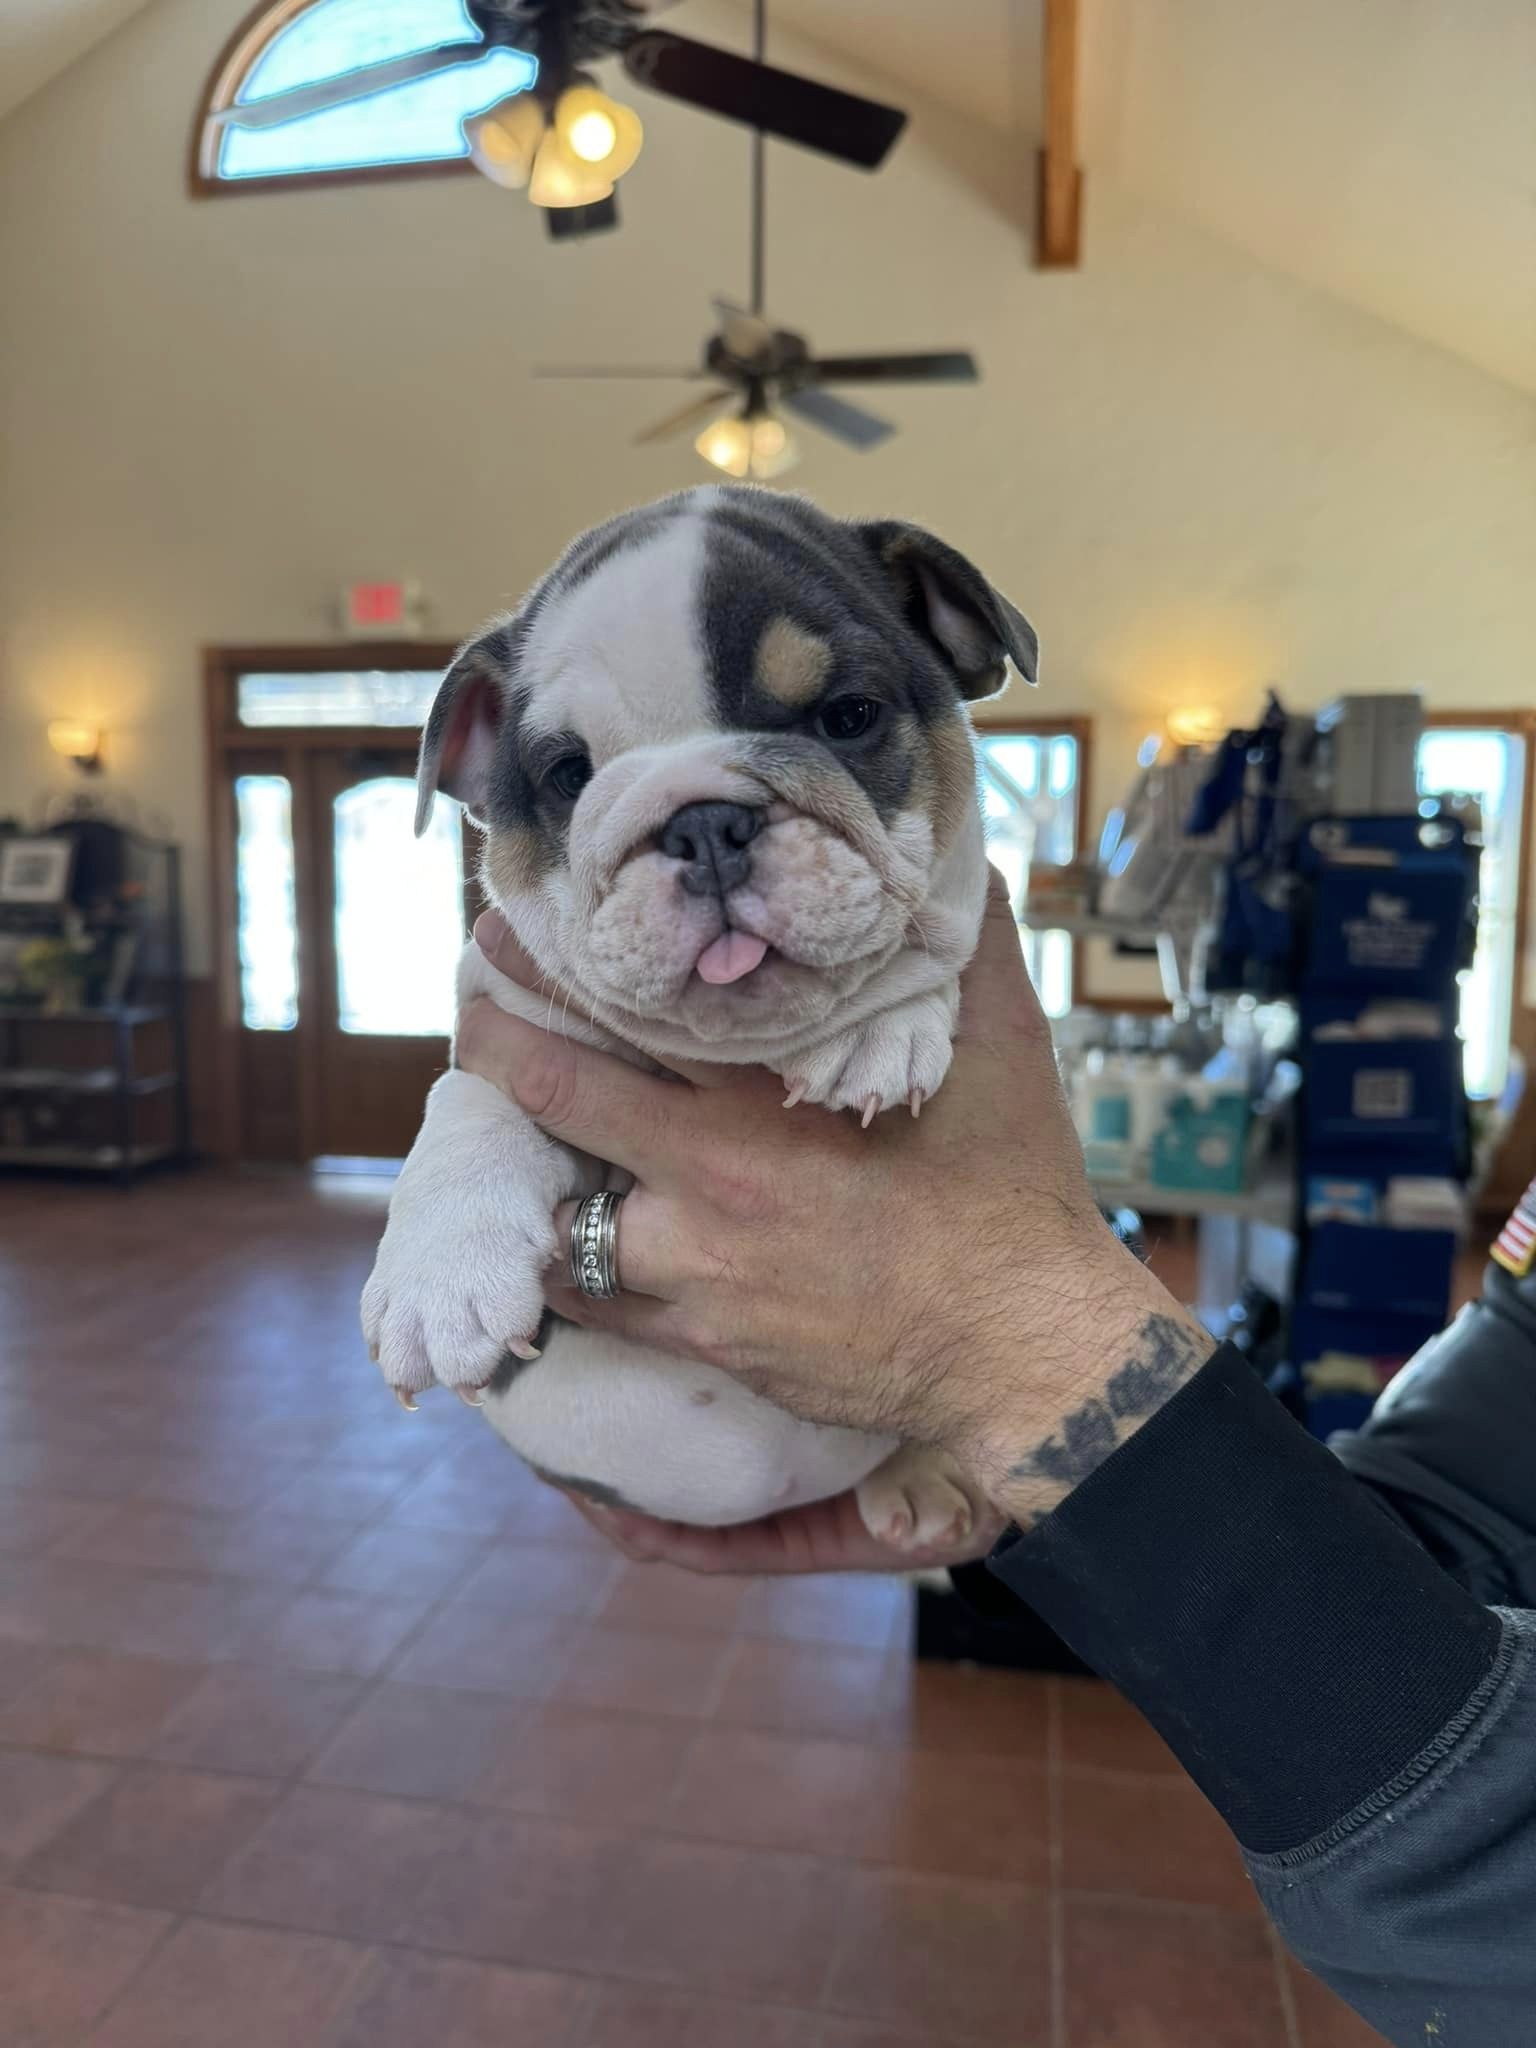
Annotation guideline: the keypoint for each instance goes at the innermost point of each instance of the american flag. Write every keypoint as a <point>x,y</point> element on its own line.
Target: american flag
<point>1516,1247</point>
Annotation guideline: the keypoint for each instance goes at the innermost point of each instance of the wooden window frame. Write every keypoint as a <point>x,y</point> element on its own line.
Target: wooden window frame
<point>223,83</point>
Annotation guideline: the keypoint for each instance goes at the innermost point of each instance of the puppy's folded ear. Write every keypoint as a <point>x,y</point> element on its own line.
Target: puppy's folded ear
<point>949,601</point>
<point>458,740</point>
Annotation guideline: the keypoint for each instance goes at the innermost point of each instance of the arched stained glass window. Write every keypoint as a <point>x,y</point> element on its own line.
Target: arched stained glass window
<point>408,128</point>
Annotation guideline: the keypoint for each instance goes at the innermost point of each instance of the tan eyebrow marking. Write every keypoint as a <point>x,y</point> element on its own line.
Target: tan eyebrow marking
<point>791,664</point>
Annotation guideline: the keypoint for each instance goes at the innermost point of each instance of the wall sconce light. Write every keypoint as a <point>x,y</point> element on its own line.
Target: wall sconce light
<point>78,743</point>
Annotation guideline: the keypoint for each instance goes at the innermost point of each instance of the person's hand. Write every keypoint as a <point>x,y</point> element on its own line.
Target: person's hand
<point>827,1536</point>
<point>947,1280</point>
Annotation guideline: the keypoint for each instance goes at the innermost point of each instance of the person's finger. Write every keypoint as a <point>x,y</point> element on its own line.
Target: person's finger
<point>648,1541</point>
<point>613,1523</point>
<point>647,1253</point>
<point>634,1317</point>
<point>584,1098</point>
<point>826,1536</point>
<point>494,936</point>
<point>997,998</point>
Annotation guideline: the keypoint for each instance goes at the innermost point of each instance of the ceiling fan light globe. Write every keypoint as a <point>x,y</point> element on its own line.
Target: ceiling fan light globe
<point>560,179</point>
<point>592,137</point>
<point>630,136</point>
<point>596,130</point>
<point>505,138</point>
<point>726,443</point>
<point>773,448</point>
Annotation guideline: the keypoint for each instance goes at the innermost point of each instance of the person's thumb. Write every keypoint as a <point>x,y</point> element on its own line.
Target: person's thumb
<point>997,999</point>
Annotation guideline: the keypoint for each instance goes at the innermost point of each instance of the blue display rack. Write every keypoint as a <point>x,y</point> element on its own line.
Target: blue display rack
<point>1386,926</point>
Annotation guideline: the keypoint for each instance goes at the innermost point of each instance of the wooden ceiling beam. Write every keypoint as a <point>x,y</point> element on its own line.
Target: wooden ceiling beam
<point>1059,182</point>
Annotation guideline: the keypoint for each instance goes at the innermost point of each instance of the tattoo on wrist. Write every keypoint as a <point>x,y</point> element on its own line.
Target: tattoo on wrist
<point>1167,1353</point>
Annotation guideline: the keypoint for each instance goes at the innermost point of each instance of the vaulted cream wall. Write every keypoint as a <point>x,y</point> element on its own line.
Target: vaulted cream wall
<point>1196,476</point>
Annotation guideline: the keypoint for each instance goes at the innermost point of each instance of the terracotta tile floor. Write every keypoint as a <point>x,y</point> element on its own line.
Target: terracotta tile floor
<point>322,1726</point>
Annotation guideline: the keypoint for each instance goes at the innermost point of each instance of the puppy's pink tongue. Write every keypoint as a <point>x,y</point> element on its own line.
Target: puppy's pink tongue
<point>730,956</point>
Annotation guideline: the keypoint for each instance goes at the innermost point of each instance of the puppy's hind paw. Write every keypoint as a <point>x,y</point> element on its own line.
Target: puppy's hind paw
<point>919,1500</point>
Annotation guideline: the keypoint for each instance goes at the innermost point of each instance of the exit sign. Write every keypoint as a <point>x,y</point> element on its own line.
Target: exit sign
<point>381,611</point>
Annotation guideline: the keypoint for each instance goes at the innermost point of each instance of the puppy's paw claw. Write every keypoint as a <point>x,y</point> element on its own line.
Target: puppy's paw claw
<point>404,1396</point>
<point>437,1302</point>
<point>899,1056</point>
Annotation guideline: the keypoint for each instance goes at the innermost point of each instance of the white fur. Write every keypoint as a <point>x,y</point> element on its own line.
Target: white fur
<point>621,654</point>
<point>461,1270</point>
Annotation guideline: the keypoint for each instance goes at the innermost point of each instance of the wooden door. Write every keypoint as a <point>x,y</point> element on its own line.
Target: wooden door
<point>335,930</point>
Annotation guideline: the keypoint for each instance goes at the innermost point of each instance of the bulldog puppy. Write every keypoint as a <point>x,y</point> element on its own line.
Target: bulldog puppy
<point>727,782</point>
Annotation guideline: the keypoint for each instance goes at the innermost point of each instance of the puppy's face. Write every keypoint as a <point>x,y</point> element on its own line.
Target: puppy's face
<point>720,755</point>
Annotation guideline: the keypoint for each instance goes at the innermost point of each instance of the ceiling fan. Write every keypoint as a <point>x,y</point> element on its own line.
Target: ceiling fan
<point>567,141</point>
<point>757,371</point>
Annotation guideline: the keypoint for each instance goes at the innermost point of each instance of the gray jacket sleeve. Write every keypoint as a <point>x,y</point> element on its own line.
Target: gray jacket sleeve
<point>1338,1646</point>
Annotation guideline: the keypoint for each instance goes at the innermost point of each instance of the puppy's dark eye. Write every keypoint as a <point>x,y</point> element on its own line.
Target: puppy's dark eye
<point>848,718</point>
<point>570,775</point>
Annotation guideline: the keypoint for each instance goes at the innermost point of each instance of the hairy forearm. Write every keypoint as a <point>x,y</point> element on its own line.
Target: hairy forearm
<point>1121,1347</point>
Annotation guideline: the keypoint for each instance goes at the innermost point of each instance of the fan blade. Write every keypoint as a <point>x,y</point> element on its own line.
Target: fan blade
<point>697,409</point>
<point>326,93</point>
<point>835,416</point>
<point>635,370</point>
<point>744,334</point>
<point>839,124</point>
<point>956,366</point>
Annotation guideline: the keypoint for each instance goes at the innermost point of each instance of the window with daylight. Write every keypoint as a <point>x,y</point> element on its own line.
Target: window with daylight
<point>267,923</point>
<point>1487,763</point>
<point>379,696</point>
<point>1031,797</point>
<point>303,42</point>
<point>399,927</point>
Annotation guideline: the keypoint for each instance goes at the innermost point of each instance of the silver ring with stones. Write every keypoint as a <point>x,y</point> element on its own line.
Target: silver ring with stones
<point>595,1246</point>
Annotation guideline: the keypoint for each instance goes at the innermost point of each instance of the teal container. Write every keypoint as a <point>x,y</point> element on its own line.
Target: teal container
<point>1203,1144</point>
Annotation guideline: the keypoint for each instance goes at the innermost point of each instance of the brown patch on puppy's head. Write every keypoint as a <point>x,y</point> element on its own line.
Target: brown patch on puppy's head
<point>792,664</point>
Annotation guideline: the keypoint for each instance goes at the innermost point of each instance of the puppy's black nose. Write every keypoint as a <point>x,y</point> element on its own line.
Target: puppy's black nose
<point>711,841</point>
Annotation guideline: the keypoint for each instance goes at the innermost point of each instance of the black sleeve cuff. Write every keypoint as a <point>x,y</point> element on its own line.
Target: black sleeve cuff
<point>1292,1645</point>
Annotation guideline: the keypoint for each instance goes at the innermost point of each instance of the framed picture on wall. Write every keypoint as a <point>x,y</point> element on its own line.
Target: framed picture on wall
<point>35,871</point>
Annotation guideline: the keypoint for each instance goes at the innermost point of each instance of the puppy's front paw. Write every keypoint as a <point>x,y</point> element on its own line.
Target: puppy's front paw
<point>898,1057</point>
<point>457,1285</point>
<point>919,1500</point>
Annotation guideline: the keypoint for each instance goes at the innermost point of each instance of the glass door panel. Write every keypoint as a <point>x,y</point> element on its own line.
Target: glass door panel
<point>266,914</point>
<point>398,911</point>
